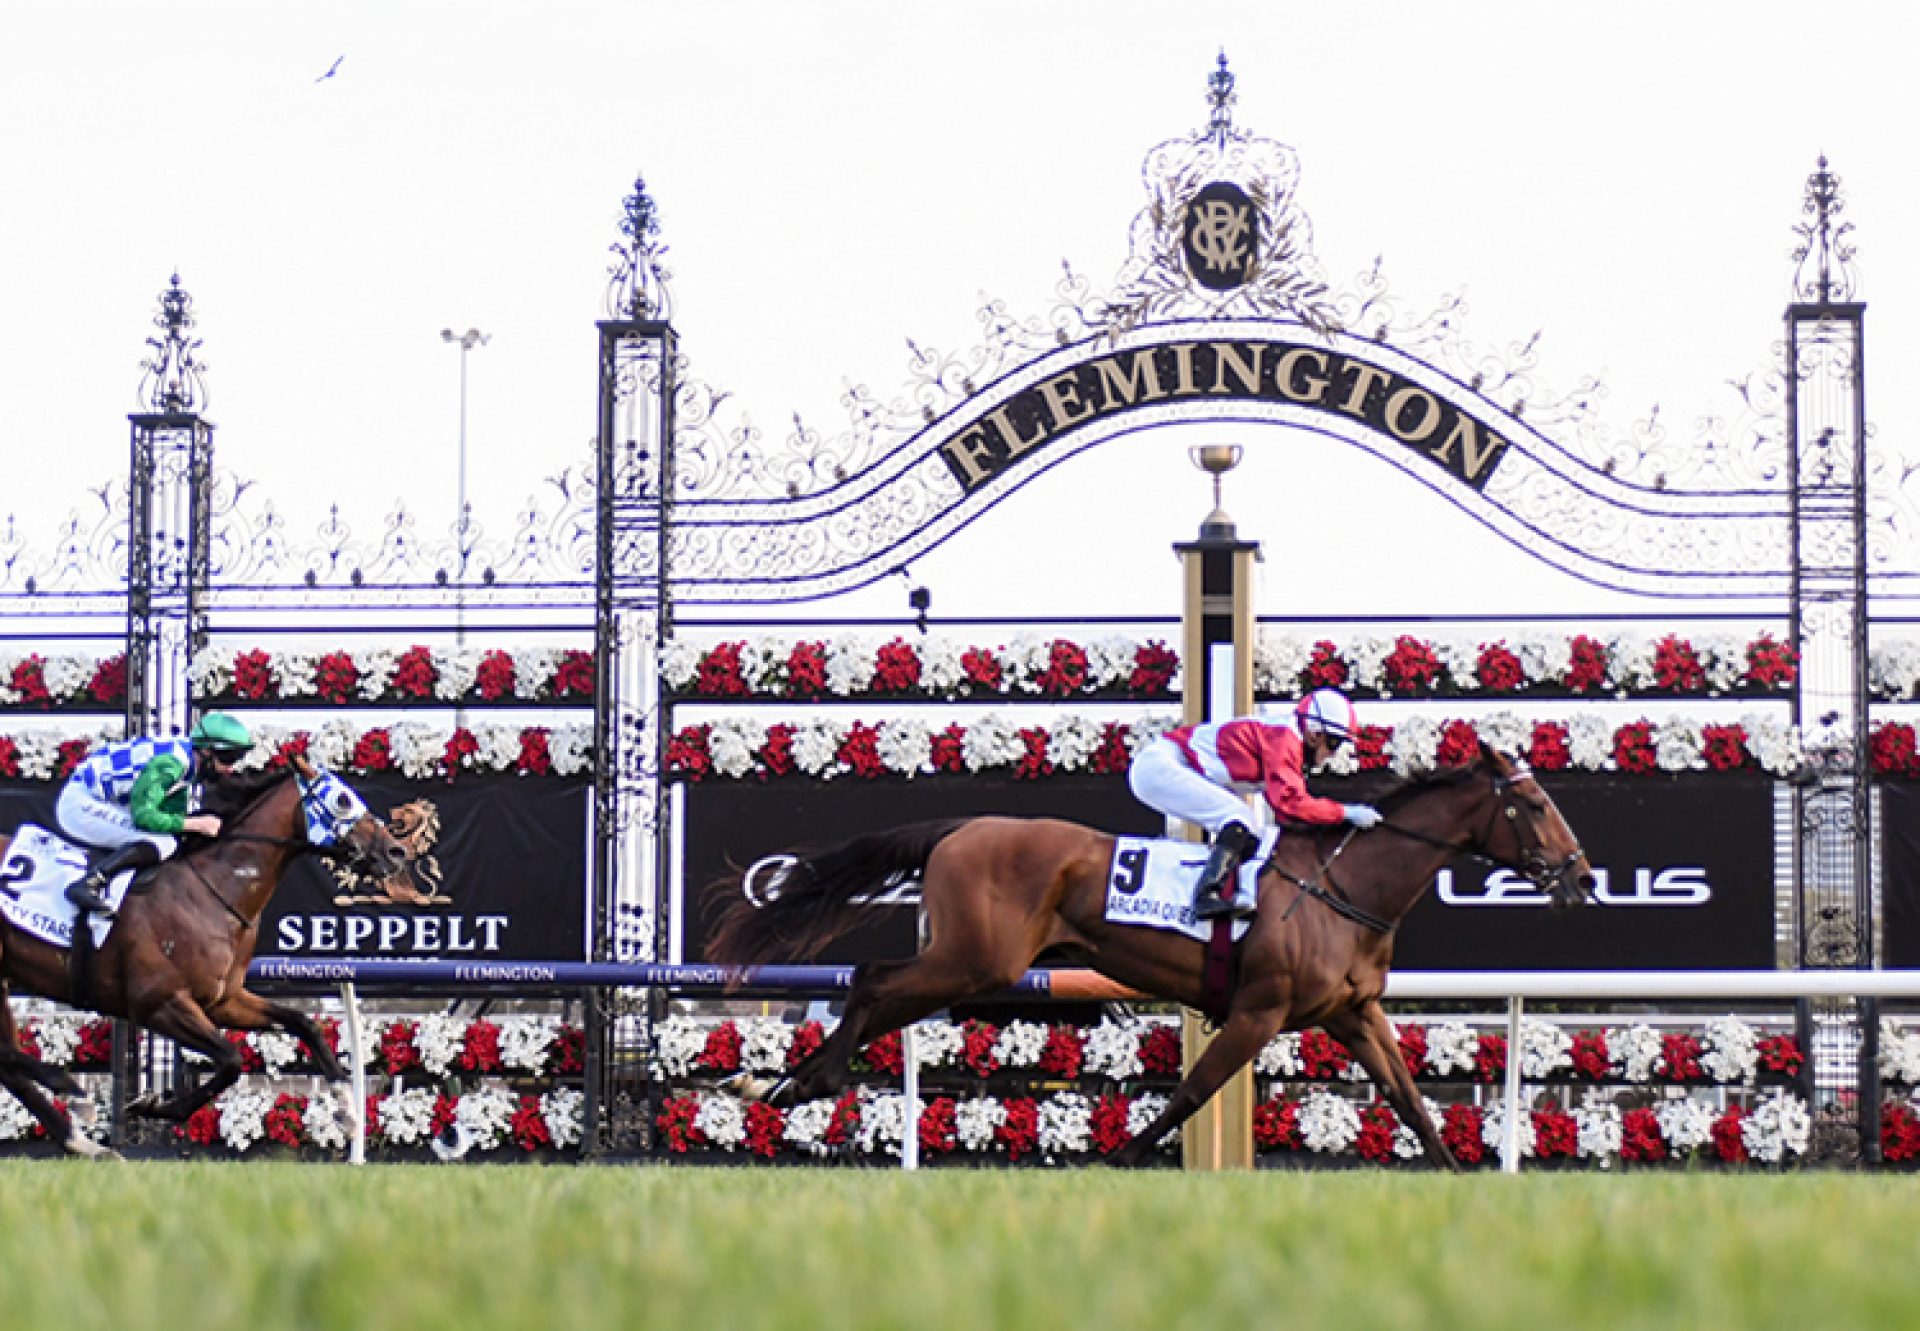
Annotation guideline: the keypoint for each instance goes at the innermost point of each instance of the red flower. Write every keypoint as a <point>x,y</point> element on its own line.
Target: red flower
<point>775,754</point>
<point>1160,1051</point>
<point>70,754</point>
<point>1725,747</point>
<point>1462,1129</point>
<point>1633,747</point>
<point>1770,664</point>
<point>1034,762</point>
<point>1063,1052</point>
<point>445,1110</point>
<point>688,756</point>
<point>9,757</point>
<point>896,668</point>
<point>859,751</point>
<point>573,677</point>
<point>414,674</point>
<point>1276,1125</point>
<point>1640,1137</point>
<point>1411,665</point>
<point>675,1123</point>
<point>719,675</point>
<point>1780,1054</point>
<point>373,751</point>
<point>1891,750</point>
<point>529,1125</point>
<point>807,1037</point>
<point>287,1121</point>
<point>1586,665</point>
<point>1730,1143</point>
<point>1550,749</point>
<point>982,670</point>
<point>28,1041</point>
<point>480,1047</point>
<point>1066,671</point>
<point>371,1117</point>
<point>1413,1047</point>
<point>807,670</point>
<point>1114,753</point>
<point>1490,1057</point>
<point>250,1060</point>
<point>568,1052</point>
<point>1377,1124</point>
<point>29,680</point>
<point>1326,668</point>
<point>252,675</point>
<point>535,758</point>
<point>109,682</point>
<point>1107,1125</point>
<point>397,1050</point>
<point>1498,669</point>
<point>1556,1133</point>
<point>980,1037</point>
<point>938,1132</point>
<point>1322,1056</point>
<point>950,749</point>
<point>461,749</point>
<point>1459,744</point>
<point>203,1128</point>
<point>845,1120</point>
<point>494,679</point>
<point>94,1049</point>
<point>336,678</point>
<point>294,746</point>
<point>1591,1058</point>
<point>885,1055</point>
<point>329,1032</point>
<point>1154,665</point>
<point>1020,1133</point>
<point>1679,1058</point>
<point>1676,666</point>
<point>1899,1132</point>
<point>1370,747</point>
<point>766,1129</point>
<point>721,1053</point>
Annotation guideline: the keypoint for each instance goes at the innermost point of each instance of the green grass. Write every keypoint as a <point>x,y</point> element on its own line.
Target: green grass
<point>157,1245</point>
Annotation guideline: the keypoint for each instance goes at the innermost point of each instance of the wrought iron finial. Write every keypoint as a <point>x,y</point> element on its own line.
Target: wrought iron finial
<point>172,382</point>
<point>1221,97</point>
<point>638,286</point>
<point>1825,253</point>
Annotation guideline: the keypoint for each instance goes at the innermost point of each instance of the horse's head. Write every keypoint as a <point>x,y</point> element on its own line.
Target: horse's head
<point>337,818</point>
<point>1527,832</point>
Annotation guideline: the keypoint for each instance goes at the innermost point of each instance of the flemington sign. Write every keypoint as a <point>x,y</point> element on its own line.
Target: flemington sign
<point>1276,370</point>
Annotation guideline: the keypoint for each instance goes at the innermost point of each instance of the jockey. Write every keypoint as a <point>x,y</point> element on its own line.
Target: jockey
<point>132,798</point>
<point>1191,774</point>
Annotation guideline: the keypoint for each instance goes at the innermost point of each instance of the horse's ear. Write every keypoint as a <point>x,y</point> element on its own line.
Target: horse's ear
<point>1493,758</point>
<point>302,768</point>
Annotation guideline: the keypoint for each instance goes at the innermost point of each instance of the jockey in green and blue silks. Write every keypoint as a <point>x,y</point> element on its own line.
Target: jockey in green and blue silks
<point>132,798</point>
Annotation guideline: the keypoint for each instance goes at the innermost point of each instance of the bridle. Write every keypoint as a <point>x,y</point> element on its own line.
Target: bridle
<point>342,852</point>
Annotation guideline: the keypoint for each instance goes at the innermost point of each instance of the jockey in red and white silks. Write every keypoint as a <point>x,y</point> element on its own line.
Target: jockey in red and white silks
<point>1192,774</point>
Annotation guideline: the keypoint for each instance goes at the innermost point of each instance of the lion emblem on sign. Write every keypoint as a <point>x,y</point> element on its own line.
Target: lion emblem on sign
<point>415,825</point>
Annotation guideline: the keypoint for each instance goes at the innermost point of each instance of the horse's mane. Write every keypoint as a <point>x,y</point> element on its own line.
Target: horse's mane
<point>1400,792</point>
<point>233,797</point>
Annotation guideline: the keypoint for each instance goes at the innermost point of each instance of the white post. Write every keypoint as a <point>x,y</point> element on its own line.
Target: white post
<point>356,1077</point>
<point>910,1087</point>
<point>1510,1141</point>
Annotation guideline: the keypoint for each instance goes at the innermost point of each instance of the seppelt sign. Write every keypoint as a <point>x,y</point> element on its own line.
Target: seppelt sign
<point>1685,866</point>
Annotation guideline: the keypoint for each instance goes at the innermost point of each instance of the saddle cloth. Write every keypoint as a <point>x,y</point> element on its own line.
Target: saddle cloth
<point>1151,884</point>
<point>33,886</point>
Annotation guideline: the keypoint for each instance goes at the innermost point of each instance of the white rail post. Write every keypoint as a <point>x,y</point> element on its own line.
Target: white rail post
<point>356,1077</point>
<point>910,1088</point>
<point>1510,1139</point>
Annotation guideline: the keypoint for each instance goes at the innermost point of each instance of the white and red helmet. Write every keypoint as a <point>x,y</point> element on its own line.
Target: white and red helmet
<point>1327,712</point>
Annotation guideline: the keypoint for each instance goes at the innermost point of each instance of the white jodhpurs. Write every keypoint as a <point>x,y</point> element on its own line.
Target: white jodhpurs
<point>92,821</point>
<point>1162,779</point>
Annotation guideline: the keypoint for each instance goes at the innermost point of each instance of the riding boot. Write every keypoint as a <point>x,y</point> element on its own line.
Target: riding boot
<point>1216,895</point>
<point>90,893</point>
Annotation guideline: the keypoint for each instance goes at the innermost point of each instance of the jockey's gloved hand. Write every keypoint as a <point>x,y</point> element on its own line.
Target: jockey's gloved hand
<point>1362,816</point>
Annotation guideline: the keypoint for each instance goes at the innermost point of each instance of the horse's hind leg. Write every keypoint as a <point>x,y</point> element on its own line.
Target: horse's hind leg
<point>1244,1035</point>
<point>1369,1034</point>
<point>181,1020</point>
<point>12,1055</point>
<point>243,1011</point>
<point>19,1073</point>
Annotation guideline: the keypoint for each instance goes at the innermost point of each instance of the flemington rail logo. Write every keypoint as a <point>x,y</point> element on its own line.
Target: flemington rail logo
<point>1677,885</point>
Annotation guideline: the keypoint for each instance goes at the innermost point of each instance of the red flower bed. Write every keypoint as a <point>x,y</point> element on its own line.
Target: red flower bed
<point>536,759</point>
<point>494,679</point>
<point>982,669</point>
<point>1770,664</point>
<point>896,668</point>
<point>1114,753</point>
<point>1412,666</point>
<point>1780,1054</point>
<point>721,1052</point>
<point>336,678</point>
<point>1462,1129</point>
<point>776,753</point>
<point>573,677</point>
<point>766,1127</point>
<point>1586,665</point>
<point>859,750</point>
<point>286,1122</point>
<point>1375,1142</point>
<point>480,1047</point>
<point>1591,1058</point>
<point>253,675</point>
<point>1276,1125</point>
<point>1326,668</point>
<point>1322,1056</point>
<point>1154,666</point>
<point>1729,1142</point>
<point>1640,1137</point>
<point>1490,1057</point>
<point>1725,747</point>
<point>807,1037</point>
<point>373,751</point>
<point>885,1055</point>
<point>939,1132</point>
<point>1107,1125</point>
<point>807,670</point>
<point>1160,1051</point>
<point>415,674</point>
<point>1633,747</point>
<point>1020,1133</point>
<point>1413,1047</point>
<point>1551,749</point>
<point>1459,744</point>
<point>688,755</point>
<point>1034,762</point>
<point>1676,666</point>
<point>109,682</point>
<point>720,675</point>
<point>1498,670</point>
<point>1063,1052</point>
<point>9,757</point>
<point>675,1124</point>
<point>1679,1058</point>
<point>1370,747</point>
<point>978,1039</point>
<point>397,1050</point>
<point>1891,750</point>
<point>1899,1132</point>
<point>950,749</point>
<point>1556,1134</point>
<point>528,1127</point>
<point>70,754</point>
<point>1066,671</point>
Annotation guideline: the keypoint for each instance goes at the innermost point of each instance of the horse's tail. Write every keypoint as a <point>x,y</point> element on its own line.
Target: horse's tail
<point>792,913</point>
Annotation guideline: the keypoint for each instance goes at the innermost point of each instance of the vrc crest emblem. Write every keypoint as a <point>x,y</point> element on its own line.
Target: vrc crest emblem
<point>1220,236</point>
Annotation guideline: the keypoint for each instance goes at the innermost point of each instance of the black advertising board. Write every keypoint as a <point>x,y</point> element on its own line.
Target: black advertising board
<point>1900,873</point>
<point>1686,865</point>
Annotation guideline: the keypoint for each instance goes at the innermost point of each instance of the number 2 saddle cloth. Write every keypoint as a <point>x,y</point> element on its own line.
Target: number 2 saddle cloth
<point>33,886</point>
<point>1151,883</point>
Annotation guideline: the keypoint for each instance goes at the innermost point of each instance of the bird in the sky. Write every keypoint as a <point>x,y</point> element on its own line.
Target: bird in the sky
<point>331,70</point>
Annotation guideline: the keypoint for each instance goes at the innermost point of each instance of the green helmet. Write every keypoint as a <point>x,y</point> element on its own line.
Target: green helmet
<point>217,732</point>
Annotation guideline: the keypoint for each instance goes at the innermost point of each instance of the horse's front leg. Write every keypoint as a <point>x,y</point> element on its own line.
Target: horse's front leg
<point>1368,1034</point>
<point>244,1011</point>
<point>1245,1035</point>
<point>180,1019</point>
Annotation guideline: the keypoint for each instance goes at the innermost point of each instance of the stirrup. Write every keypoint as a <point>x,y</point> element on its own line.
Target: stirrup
<point>89,898</point>
<point>1210,905</point>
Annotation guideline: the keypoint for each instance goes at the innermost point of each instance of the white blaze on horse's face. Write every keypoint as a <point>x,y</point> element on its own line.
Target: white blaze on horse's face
<point>331,807</point>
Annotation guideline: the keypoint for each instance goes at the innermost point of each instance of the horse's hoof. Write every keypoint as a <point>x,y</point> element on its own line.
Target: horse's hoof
<point>749,1089</point>
<point>78,1143</point>
<point>144,1106</point>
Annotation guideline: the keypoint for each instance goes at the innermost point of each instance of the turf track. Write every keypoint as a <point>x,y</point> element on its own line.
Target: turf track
<point>213,1246</point>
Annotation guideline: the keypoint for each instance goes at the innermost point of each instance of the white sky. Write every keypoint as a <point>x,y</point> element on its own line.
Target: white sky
<point>836,178</point>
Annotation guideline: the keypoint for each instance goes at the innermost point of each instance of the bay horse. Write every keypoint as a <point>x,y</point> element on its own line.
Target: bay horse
<point>998,892</point>
<point>176,960</point>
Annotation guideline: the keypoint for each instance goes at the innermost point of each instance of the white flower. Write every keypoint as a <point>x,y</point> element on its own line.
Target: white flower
<point>15,1121</point>
<point>210,671</point>
<point>1899,1053</point>
<point>1893,669</point>
<point>1686,1123</point>
<point>1146,1107</point>
<point>677,1042</point>
<point>1732,1050</point>
<point>1280,1057</point>
<point>294,673</point>
<point>1458,657</point>
<point>1026,658</point>
<point>1147,729</point>
<point>940,670</point>
<point>1019,1044</point>
<point>992,741</point>
<point>1065,1124</point>
<point>406,1117</point>
<point>1110,661</point>
<point>278,1051</point>
<point>486,1115</point>
<point>849,666</point>
<point>1452,1047</point>
<point>535,667</point>
<point>1493,1129</point>
<point>905,746</point>
<point>1724,658</point>
<point>764,1042</point>
<point>38,753</point>
<point>733,742</point>
<point>1629,662</point>
<point>816,741</point>
<point>723,1119</point>
<point>1368,658</point>
<point>1544,1049</point>
<point>376,671</point>
<point>570,749</point>
<point>243,1115</point>
<point>328,1120</point>
<point>1113,1049</point>
<point>1773,742</point>
<point>1779,1126</point>
<point>418,750</point>
<point>1545,657</point>
<point>1414,746</point>
<point>1633,1051</point>
<point>498,746</point>
<point>807,1125</point>
<point>763,664</point>
<point>58,1034</point>
<point>1599,1131</point>
<point>332,745</point>
<point>1590,742</point>
<point>564,1109</point>
<point>1073,742</point>
<point>1679,745</point>
<point>439,1038</point>
<point>974,1122</point>
<point>1278,660</point>
<point>524,1042</point>
<point>883,1123</point>
<point>457,668</point>
<point>1329,1123</point>
<point>938,1044</point>
<point>1506,732</point>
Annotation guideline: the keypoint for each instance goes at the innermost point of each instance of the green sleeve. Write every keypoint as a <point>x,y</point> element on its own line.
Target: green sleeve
<point>149,797</point>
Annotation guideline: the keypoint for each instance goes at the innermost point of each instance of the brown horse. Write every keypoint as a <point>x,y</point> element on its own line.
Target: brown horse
<point>998,892</point>
<point>176,960</point>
